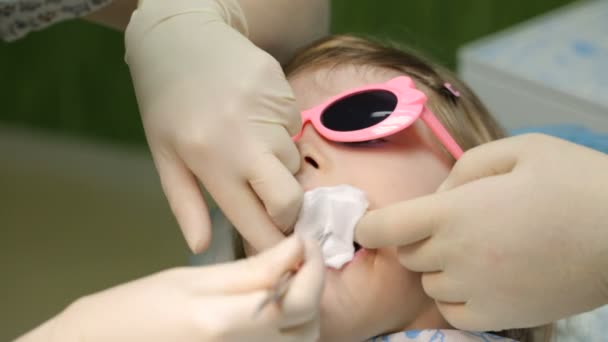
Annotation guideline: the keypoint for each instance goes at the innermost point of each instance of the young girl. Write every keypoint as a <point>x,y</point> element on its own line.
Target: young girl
<point>374,295</point>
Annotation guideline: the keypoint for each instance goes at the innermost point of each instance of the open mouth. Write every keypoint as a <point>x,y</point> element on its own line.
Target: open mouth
<point>357,246</point>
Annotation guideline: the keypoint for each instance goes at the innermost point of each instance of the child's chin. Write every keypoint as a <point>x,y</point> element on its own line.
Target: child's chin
<point>342,314</point>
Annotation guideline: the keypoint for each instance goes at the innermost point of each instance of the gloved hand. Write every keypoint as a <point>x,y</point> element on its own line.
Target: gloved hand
<point>217,108</point>
<point>213,303</point>
<point>516,236</point>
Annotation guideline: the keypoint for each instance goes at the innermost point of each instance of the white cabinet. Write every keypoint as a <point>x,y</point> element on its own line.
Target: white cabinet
<point>552,69</point>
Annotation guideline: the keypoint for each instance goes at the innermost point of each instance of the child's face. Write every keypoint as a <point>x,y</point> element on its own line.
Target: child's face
<point>373,294</point>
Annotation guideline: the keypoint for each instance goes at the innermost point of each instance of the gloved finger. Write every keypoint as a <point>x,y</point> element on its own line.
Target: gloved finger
<point>278,190</point>
<point>491,159</point>
<point>238,320</point>
<point>440,287</point>
<point>259,272</point>
<point>309,331</point>
<point>185,199</point>
<point>301,304</point>
<point>235,317</point>
<point>242,208</point>
<point>286,150</point>
<point>421,256</point>
<point>402,223</point>
<point>461,316</point>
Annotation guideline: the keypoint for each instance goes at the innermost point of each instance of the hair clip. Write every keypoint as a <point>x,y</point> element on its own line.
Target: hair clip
<point>451,89</point>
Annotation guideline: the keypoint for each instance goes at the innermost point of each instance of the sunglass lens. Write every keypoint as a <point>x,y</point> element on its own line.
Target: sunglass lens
<point>359,111</point>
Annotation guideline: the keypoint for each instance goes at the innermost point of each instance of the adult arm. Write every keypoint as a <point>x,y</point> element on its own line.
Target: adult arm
<point>211,303</point>
<point>217,109</point>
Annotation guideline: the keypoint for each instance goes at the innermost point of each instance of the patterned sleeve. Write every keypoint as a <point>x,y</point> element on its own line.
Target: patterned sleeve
<point>18,17</point>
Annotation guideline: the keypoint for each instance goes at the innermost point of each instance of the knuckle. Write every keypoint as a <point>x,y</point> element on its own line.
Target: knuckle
<point>212,327</point>
<point>535,140</point>
<point>266,63</point>
<point>535,136</point>
<point>465,160</point>
<point>261,67</point>
<point>195,140</point>
<point>260,266</point>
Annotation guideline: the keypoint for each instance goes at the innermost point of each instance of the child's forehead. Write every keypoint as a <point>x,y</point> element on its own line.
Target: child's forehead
<point>312,87</point>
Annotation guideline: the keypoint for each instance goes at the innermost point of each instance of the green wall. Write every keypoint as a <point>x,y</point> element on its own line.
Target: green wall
<point>72,79</point>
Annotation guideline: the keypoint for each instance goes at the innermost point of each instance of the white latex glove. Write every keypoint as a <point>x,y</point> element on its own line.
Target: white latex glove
<point>217,108</point>
<point>214,303</point>
<point>517,235</point>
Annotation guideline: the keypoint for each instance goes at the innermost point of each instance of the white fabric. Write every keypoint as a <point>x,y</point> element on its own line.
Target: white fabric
<point>19,17</point>
<point>589,326</point>
<point>332,212</point>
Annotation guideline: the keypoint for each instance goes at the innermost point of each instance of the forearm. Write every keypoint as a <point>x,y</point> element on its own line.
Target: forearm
<point>282,26</point>
<point>116,15</point>
<point>43,333</point>
<point>53,330</point>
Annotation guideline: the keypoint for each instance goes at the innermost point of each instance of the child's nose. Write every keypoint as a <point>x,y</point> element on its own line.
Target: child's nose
<point>310,145</point>
<point>313,169</point>
<point>316,166</point>
<point>311,161</point>
<point>312,158</point>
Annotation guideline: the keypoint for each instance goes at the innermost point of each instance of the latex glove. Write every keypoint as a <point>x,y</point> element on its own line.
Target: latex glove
<point>217,108</point>
<point>214,303</point>
<point>516,236</point>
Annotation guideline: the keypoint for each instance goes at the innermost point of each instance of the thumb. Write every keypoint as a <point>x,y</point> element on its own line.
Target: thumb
<point>254,273</point>
<point>491,159</point>
<point>402,223</point>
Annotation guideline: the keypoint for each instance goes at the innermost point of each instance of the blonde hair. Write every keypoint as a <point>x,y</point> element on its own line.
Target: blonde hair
<point>464,116</point>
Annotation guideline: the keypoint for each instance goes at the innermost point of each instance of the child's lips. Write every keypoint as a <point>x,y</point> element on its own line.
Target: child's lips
<point>360,253</point>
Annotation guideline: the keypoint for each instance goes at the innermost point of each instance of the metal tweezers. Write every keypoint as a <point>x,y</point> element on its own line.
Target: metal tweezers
<point>279,289</point>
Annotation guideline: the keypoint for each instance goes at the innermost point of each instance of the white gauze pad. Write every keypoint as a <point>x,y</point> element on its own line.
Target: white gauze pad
<point>334,211</point>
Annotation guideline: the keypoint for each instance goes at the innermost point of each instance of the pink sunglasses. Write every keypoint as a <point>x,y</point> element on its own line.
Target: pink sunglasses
<point>376,111</point>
